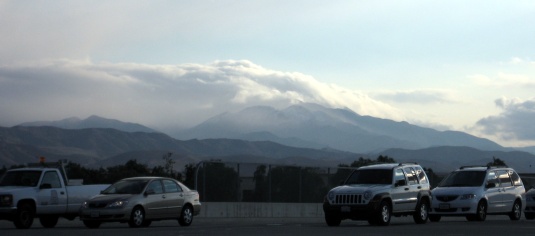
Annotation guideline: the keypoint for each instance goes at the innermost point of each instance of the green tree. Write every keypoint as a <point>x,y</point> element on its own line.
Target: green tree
<point>130,169</point>
<point>496,162</point>
<point>261,190</point>
<point>218,183</point>
<point>189,175</point>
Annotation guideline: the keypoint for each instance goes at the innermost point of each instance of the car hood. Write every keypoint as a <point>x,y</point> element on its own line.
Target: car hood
<point>455,190</point>
<point>13,189</point>
<point>110,197</point>
<point>359,188</point>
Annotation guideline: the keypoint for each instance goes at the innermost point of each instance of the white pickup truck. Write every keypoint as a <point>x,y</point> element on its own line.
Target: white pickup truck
<point>41,191</point>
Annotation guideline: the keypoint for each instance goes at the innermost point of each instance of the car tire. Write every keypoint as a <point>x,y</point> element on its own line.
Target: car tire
<point>137,217</point>
<point>332,219</point>
<point>383,214</point>
<point>434,218</point>
<point>481,212</point>
<point>92,224</point>
<point>186,216</point>
<point>422,212</point>
<point>24,216</point>
<point>49,221</point>
<point>529,216</point>
<point>516,212</point>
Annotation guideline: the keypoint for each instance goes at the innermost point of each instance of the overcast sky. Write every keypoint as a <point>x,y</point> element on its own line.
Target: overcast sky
<point>449,65</point>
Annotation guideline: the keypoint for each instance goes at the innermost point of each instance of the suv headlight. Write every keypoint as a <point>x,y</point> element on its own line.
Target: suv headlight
<point>330,196</point>
<point>367,195</point>
<point>468,196</point>
<point>117,204</point>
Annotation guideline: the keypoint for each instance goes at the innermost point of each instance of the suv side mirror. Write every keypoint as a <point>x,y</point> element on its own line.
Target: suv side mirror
<point>490,185</point>
<point>400,182</point>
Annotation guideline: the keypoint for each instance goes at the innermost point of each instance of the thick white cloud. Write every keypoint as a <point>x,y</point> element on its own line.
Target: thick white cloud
<point>514,123</point>
<point>420,96</point>
<point>162,95</point>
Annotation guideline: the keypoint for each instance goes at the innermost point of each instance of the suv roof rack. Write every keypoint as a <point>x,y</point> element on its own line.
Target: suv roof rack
<point>474,166</point>
<point>489,167</point>
<point>486,166</point>
<point>408,163</point>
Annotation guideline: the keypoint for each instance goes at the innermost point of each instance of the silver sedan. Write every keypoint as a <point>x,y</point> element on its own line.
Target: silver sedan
<point>139,201</point>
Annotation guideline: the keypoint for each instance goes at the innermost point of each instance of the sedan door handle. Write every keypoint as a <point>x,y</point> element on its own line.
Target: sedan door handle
<point>163,196</point>
<point>406,189</point>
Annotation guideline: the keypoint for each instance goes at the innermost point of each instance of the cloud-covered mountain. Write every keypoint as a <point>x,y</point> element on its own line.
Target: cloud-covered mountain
<point>92,122</point>
<point>315,126</point>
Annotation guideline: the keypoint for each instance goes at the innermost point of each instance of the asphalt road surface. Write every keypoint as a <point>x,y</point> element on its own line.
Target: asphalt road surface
<point>494,225</point>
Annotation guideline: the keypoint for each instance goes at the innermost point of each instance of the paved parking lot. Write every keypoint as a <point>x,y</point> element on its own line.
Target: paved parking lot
<point>495,225</point>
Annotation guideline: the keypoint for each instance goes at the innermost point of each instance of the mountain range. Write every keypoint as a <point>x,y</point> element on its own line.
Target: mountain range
<point>315,126</point>
<point>305,134</point>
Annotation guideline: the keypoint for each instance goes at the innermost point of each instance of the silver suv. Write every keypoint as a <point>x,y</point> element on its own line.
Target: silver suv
<point>475,191</point>
<point>376,192</point>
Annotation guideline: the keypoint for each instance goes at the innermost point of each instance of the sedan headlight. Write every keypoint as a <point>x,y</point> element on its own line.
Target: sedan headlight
<point>468,196</point>
<point>117,204</point>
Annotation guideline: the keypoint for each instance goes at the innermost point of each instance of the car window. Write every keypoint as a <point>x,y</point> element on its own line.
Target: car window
<point>411,176</point>
<point>399,175</point>
<point>515,178</point>
<point>492,178</point>
<point>421,175</point>
<point>52,178</point>
<point>126,187</point>
<point>370,176</point>
<point>469,178</point>
<point>171,186</point>
<point>505,181</point>
<point>156,185</point>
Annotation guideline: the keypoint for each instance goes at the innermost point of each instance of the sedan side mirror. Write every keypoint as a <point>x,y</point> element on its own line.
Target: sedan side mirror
<point>45,186</point>
<point>490,185</point>
<point>149,192</point>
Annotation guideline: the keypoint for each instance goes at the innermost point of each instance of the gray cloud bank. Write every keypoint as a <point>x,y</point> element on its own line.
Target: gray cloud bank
<point>514,123</point>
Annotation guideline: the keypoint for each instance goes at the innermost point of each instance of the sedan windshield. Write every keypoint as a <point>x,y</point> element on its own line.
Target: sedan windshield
<point>370,176</point>
<point>21,178</point>
<point>464,179</point>
<point>126,187</point>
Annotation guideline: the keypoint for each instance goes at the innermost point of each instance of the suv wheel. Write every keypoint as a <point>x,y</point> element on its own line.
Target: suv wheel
<point>383,214</point>
<point>332,219</point>
<point>516,213</point>
<point>422,212</point>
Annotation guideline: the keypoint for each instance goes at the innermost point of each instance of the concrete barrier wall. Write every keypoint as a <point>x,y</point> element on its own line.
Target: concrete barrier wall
<point>260,210</point>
